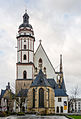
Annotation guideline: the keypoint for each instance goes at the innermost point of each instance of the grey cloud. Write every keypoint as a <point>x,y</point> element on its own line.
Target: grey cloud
<point>56,22</point>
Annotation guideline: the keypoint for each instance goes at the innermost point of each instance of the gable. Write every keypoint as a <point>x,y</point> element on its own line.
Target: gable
<point>40,53</point>
<point>6,94</point>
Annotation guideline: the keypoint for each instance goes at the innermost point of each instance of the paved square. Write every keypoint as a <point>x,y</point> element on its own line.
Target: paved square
<point>34,117</point>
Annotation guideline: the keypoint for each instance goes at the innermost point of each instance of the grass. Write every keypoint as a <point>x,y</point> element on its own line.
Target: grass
<point>75,117</point>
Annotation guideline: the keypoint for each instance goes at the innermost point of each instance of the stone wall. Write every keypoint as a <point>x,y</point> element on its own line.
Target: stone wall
<point>22,84</point>
<point>49,104</point>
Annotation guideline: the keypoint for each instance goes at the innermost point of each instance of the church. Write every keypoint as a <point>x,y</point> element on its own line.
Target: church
<point>36,79</point>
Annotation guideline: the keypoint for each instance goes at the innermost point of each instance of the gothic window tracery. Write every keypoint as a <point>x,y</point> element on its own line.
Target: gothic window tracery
<point>41,98</point>
<point>33,98</point>
<point>48,99</point>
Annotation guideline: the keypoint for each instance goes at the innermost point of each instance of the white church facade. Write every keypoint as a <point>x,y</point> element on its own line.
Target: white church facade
<point>36,74</point>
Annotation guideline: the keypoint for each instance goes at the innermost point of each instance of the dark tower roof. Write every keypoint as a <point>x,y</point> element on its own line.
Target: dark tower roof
<point>26,18</point>
<point>25,21</point>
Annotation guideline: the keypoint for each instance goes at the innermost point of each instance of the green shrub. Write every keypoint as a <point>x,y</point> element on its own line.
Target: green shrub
<point>75,116</point>
<point>20,113</point>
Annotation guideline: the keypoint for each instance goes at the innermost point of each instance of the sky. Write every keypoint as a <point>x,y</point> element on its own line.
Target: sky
<point>56,22</point>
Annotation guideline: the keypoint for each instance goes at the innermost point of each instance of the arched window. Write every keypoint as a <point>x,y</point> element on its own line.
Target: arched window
<point>24,75</point>
<point>40,63</point>
<point>41,98</point>
<point>57,109</point>
<point>40,60</point>
<point>61,109</point>
<point>24,46</point>
<point>48,99</point>
<point>24,57</point>
<point>33,98</point>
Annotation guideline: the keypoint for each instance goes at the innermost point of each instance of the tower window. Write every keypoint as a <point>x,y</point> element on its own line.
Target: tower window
<point>24,57</point>
<point>40,63</point>
<point>24,40</point>
<point>24,46</point>
<point>24,74</point>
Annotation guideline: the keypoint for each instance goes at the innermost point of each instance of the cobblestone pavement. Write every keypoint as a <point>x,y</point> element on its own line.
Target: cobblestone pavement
<point>34,117</point>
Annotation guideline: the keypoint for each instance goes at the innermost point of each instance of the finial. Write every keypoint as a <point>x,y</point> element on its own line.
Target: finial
<point>25,10</point>
<point>40,41</point>
<point>26,17</point>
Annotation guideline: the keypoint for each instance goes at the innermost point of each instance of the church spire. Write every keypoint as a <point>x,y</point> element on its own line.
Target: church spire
<point>26,18</point>
<point>61,70</point>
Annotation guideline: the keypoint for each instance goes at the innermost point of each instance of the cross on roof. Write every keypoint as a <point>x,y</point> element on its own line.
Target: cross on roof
<point>25,10</point>
<point>40,40</point>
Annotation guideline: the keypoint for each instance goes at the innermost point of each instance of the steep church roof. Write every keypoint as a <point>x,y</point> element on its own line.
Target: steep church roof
<point>53,83</point>
<point>40,80</point>
<point>2,93</point>
<point>60,92</point>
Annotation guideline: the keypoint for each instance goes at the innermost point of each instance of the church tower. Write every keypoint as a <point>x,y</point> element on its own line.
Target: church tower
<point>25,55</point>
<point>60,74</point>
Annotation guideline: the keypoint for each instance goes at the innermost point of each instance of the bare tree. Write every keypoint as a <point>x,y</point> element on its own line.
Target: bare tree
<point>75,93</point>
